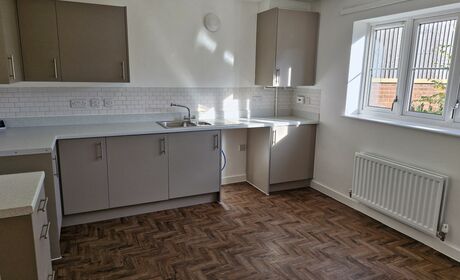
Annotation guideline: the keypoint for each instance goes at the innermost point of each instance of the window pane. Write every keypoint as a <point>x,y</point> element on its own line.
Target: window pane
<point>384,66</point>
<point>430,72</point>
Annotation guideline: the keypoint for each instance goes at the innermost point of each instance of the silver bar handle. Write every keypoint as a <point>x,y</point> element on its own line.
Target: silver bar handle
<point>163,146</point>
<point>55,68</point>
<point>216,141</point>
<point>277,78</point>
<point>274,138</point>
<point>42,205</point>
<point>123,71</point>
<point>13,70</point>
<point>99,153</point>
<point>46,228</point>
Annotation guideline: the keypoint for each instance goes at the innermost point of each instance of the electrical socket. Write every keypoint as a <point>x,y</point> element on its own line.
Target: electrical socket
<point>108,102</point>
<point>78,103</point>
<point>95,103</point>
<point>300,99</point>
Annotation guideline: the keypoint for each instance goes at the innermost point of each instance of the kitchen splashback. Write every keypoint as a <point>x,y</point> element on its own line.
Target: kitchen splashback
<point>19,102</point>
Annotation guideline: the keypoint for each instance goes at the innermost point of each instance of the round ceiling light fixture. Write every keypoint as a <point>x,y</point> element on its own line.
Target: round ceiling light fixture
<point>212,22</point>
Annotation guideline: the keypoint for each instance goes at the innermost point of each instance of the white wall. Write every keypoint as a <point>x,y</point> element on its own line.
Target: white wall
<point>169,47</point>
<point>235,171</point>
<point>339,138</point>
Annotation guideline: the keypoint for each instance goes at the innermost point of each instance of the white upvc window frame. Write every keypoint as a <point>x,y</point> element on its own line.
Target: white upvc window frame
<point>401,112</point>
<point>410,78</point>
<point>367,86</point>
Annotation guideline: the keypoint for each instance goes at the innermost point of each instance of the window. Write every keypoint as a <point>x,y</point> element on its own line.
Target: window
<point>384,66</point>
<point>409,69</point>
<point>429,74</point>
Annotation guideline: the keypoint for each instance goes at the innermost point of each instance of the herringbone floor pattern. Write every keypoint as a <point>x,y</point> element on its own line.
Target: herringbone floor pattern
<point>300,234</point>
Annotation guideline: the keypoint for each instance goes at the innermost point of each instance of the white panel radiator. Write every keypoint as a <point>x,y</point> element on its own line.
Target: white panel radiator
<point>409,194</point>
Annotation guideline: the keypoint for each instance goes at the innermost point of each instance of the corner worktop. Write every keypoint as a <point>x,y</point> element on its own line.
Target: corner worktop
<point>42,139</point>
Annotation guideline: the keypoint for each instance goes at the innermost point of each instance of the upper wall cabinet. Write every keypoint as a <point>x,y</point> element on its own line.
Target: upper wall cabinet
<point>286,48</point>
<point>10,48</point>
<point>73,42</point>
<point>93,42</point>
<point>39,40</point>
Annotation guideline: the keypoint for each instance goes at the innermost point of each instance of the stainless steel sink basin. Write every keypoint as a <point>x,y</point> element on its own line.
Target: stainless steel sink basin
<point>179,124</point>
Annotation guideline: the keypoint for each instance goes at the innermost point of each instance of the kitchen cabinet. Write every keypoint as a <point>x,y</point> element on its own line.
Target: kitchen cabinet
<point>92,42</point>
<point>292,153</point>
<point>137,169</point>
<point>194,163</point>
<point>280,157</point>
<point>39,40</point>
<point>286,48</point>
<point>10,47</point>
<point>41,162</point>
<point>84,175</point>
<point>24,239</point>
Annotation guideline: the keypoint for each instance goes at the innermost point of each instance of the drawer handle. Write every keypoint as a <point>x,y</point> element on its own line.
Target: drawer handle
<point>52,275</point>
<point>42,205</point>
<point>46,229</point>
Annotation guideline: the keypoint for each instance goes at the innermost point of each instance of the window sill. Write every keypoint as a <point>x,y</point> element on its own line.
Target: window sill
<point>408,124</point>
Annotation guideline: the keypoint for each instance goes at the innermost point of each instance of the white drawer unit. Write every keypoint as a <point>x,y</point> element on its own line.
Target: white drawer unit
<point>24,228</point>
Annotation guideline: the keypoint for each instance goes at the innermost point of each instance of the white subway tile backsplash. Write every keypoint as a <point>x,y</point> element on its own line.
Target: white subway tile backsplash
<point>205,102</point>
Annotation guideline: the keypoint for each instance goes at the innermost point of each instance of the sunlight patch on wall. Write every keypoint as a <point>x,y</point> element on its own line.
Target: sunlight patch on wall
<point>204,40</point>
<point>232,108</point>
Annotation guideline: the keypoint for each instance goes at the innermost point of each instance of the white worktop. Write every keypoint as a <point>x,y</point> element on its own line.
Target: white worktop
<point>19,193</point>
<point>42,139</point>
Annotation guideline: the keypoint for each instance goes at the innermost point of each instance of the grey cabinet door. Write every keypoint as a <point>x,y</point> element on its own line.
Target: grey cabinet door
<point>10,48</point>
<point>267,23</point>
<point>292,153</point>
<point>194,163</point>
<point>84,181</point>
<point>297,47</point>
<point>138,169</point>
<point>39,40</point>
<point>93,42</point>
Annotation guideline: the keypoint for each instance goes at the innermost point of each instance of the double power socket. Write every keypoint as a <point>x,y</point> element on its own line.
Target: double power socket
<point>92,102</point>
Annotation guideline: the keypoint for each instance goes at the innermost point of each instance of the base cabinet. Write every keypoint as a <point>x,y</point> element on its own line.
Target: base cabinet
<point>25,244</point>
<point>84,175</point>
<point>137,169</point>
<point>194,163</point>
<point>280,156</point>
<point>104,173</point>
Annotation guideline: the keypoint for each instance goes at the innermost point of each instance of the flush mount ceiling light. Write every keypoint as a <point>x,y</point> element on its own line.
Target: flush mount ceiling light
<point>212,22</point>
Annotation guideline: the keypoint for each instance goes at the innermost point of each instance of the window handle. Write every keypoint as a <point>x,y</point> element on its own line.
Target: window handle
<point>393,104</point>
<point>455,108</point>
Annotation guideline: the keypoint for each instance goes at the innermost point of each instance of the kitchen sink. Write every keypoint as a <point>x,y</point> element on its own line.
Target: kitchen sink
<point>179,124</point>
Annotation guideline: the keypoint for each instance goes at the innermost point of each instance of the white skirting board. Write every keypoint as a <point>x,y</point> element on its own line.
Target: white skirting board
<point>444,247</point>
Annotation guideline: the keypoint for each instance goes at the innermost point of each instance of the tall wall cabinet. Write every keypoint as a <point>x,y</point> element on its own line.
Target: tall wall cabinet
<point>286,48</point>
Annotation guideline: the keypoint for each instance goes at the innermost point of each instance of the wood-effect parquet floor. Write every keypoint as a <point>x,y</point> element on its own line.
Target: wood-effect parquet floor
<point>299,234</point>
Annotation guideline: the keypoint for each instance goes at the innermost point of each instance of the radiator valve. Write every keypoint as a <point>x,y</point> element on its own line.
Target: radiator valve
<point>443,232</point>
